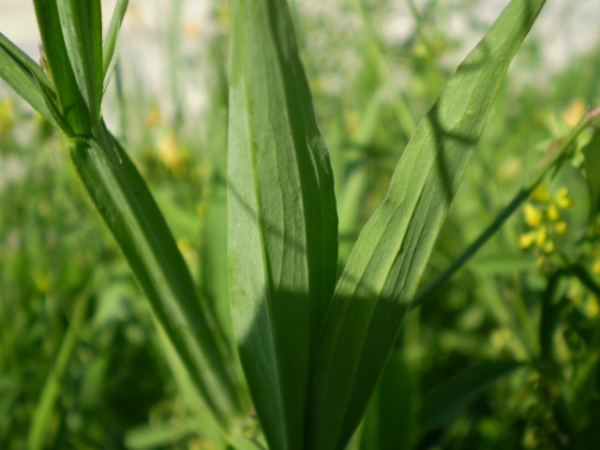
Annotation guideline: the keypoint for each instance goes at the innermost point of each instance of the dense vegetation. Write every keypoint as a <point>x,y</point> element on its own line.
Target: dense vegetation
<point>503,355</point>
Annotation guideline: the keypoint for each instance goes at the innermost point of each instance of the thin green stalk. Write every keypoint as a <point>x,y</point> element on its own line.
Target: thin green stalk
<point>552,161</point>
<point>38,431</point>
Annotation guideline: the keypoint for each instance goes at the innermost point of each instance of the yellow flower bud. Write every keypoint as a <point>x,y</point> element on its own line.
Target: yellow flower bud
<point>552,212</point>
<point>533,217</point>
<point>560,227</point>
<point>541,236</point>
<point>562,198</point>
<point>540,194</point>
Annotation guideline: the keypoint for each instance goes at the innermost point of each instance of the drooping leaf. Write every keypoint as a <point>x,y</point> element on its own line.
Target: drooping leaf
<point>81,23</point>
<point>20,72</point>
<point>386,264</point>
<point>452,396</point>
<point>591,152</point>
<point>281,214</point>
<point>123,199</point>
<point>111,42</point>
<point>72,103</point>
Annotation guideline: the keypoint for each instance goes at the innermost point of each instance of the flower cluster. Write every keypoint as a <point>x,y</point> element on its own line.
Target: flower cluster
<point>542,215</point>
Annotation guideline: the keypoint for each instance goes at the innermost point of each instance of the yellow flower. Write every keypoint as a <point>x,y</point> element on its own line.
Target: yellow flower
<point>573,112</point>
<point>552,212</point>
<point>540,194</point>
<point>562,198</point>
<point>549,246</point>
<point>590,308</point>
<point>527,239</point>
<point>541,236</point>
<point>596,267</point>
<point>533,217</point>
<point>560,227</point>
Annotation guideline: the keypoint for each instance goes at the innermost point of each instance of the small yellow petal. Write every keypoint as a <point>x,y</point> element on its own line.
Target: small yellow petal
<point>562,198</point>
<point>533,216</point>
<point>540,194</point>
<point>552,212</point>
<point>541,236</point>
<point>560,227</point>
<point>527,239</point>
<point>590,308</point>
<point>574,111</point>
<point>596,267</point>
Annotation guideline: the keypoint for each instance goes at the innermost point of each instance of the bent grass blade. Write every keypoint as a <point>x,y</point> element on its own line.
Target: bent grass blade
<point>386,264</point>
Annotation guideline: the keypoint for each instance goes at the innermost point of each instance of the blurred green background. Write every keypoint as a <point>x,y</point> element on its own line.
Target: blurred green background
<point>73,325</point>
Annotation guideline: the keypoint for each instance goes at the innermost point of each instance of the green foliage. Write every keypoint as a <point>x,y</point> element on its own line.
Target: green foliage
<point>225,316</point>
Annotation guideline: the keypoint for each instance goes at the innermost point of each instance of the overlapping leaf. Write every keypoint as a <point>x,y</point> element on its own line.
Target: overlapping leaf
<point>384,269</point>
<point>281,214</point>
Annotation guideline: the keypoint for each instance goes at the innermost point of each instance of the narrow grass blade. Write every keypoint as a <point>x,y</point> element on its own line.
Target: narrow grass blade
<point>282,217</point>
<point>384,269</point>
<point>449,398</point>
<point>130,212</point>
<point>72,103</point>
<point>591,152</point>
<point>111,41</point>
<point>20,72</point>
<point>44,410</point>
<point>81,22</point>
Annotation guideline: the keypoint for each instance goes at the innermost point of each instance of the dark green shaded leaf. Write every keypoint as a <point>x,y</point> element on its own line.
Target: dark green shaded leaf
<point>591,152</point>
<point>452,396</point>
<point>386,264</point>
<point>135,221</point>
<point>281,214</point>
<point>391,420</point>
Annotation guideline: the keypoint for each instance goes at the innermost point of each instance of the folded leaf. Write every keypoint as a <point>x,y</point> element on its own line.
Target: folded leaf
<point>123,199</point>
<point>81,22</point>
<point>72,103</point>
<point>386,264</point>
<point>20,72</point>
<point>281,215</point>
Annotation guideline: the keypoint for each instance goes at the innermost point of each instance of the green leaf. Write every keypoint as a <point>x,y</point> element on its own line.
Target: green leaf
<point>391,420</point>
<point>591,153</point>
<point>281,217</point>
<point>123,199</point>
<point>452,396</point>
<point>44,410</point>
<point>72,103</point>
<point>81,22</point>
<point>111,42</point>
<point>386,264</point>
<point>20,72</point>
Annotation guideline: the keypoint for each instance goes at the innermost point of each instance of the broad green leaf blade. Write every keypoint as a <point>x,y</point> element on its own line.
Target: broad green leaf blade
<point>81,22</point>
<point>452,396</point>
<point>129,210</point>
<point>20,72</point>
<point>111,42</point>
<point>386,264</point>
<point>591,153</point>
<point>72,103</point>
<point>281,217</point>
